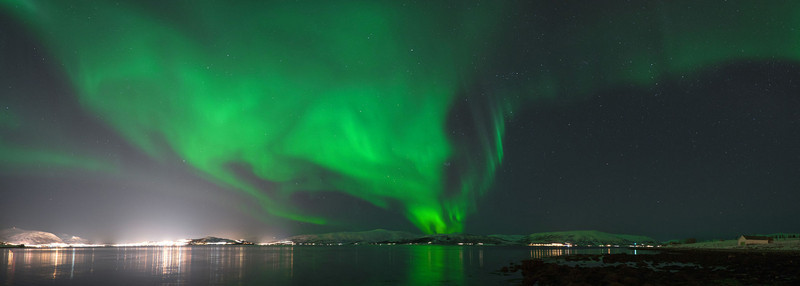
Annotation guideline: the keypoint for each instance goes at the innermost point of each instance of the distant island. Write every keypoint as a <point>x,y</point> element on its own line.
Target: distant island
<point>210,240</point>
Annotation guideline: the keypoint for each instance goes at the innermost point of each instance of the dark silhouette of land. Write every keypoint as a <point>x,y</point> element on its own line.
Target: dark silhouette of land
<point>668,267</point>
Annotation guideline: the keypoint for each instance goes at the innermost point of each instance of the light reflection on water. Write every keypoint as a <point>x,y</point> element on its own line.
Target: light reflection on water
<point>542,252</point>
<point>281,265</point>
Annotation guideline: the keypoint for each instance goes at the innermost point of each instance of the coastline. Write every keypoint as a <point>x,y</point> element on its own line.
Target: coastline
<point>699,265</point>
<point>781,245</point>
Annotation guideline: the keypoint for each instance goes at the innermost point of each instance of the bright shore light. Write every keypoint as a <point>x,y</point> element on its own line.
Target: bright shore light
<point>283,242</point>
<point>552,244</point>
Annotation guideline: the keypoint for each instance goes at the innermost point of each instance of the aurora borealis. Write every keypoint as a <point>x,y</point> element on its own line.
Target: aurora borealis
<point>346,96</point>
<point>405,106</point>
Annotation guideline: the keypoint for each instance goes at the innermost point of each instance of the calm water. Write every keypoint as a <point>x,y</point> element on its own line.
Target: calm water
<point>270,265</point>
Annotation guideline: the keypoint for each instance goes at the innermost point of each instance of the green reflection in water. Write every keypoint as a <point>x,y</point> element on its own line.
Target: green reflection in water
<point>435,264</point>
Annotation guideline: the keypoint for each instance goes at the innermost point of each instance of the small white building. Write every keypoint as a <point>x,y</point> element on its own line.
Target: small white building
<point>750,239</point>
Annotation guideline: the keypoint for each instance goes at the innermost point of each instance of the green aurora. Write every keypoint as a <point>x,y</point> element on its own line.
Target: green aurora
<point>347,96</point>
<point>356,96</point>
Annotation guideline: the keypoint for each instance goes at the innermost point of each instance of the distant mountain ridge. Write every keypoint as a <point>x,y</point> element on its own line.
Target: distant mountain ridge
<point>378,236</point>
<point>588,237</point>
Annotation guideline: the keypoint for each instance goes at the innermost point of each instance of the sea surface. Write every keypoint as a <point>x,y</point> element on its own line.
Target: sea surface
<point>272,265</point>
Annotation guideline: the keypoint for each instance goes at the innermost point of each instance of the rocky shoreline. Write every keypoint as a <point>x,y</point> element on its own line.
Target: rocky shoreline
<point>669,267</point>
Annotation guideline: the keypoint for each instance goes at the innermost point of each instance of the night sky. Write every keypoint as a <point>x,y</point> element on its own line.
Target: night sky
<point>146,120</point>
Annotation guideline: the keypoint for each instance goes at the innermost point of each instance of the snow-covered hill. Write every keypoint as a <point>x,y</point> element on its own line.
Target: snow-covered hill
<point>28,237</point>
<point>17,236</point>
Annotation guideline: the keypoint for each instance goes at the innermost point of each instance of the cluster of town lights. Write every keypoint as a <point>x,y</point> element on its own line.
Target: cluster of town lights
<point>567,244</point>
